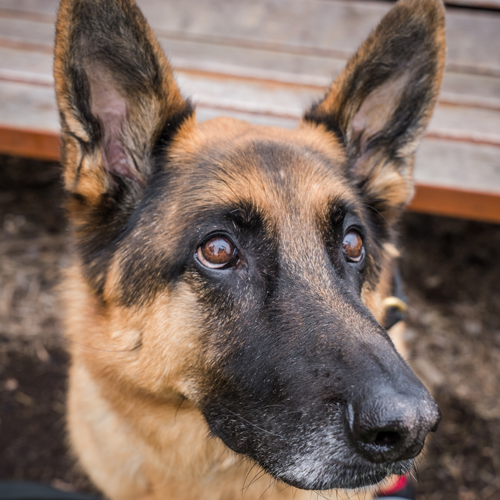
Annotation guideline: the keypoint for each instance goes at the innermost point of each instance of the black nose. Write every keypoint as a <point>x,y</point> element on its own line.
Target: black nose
<point>392,428</point>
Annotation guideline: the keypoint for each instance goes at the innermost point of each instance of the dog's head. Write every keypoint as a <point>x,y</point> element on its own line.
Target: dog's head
<point>243,267</point>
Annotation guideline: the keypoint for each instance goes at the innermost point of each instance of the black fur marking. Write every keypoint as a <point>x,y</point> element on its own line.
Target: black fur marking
<point>84,146</point>
<point>374,229</point>
<point>330,121</point>
<point>80,94</point>
<point>405,122</point>
<point>170,127</point>
<point>103,224</point>
<point>257,242</point>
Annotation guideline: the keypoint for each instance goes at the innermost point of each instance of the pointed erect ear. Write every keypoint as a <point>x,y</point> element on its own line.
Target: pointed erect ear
<point>118,101</point>
<point>381,103</point>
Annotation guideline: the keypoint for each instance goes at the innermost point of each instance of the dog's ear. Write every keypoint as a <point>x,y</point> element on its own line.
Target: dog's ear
<point>120,108</point>
<point>381,103</point>
<point>118,101</point>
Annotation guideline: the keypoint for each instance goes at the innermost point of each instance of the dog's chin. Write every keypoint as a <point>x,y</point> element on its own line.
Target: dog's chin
<point>316,457</point>
<point>345,477</point>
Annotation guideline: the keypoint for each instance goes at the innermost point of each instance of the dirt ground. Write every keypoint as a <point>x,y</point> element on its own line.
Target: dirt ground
<point>451,270</point>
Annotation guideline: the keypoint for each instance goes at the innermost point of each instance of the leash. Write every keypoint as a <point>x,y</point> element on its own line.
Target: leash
<point>395,306</point>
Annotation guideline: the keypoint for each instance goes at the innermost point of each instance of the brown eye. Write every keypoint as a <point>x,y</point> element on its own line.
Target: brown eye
<point>216,253</point>
<point>353,246</point>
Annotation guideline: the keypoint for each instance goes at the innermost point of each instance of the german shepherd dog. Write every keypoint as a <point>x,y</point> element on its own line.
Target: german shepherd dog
<point>225,299</point>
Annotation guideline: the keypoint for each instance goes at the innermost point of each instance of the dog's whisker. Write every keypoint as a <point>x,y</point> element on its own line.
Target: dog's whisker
<point>178,408</point>
<point>248,422</point>
<point>267,489</point>
<point>250,469</point>
<point>258,475</point>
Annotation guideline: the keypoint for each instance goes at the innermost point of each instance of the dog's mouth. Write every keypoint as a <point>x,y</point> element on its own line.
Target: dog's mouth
<point>342,476</point>
<point>316,467</point>
<point>310,454</point>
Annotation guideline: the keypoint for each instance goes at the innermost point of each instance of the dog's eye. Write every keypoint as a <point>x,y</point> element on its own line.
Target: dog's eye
<point>353,246</point>
<point>217,252</point>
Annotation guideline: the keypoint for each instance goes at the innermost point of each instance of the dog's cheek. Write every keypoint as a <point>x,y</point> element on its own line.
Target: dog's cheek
<point>152,349</point>
<point>172,343</point>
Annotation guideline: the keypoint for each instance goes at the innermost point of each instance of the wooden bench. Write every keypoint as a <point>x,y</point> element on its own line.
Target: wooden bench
<point>265,61</point>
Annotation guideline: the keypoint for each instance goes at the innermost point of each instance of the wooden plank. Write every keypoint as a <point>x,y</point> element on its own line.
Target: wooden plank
<point>40,7</point>
<point>39,144</point>
<point>204,113</point>
<point>456,203</point>
<point>22,65</point>
<point>475,90</point>
<point>29,34</point>
<point>468,124</point>
<point>333,29</point>
<point>27,106</point>
<point>476,4</point>
<point>458,165</point>
<point>294,69</point>
<point>481,4</point>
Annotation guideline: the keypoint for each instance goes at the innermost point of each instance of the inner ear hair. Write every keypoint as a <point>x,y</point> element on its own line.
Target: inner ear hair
<point>110,108</point>
<point>377,111</point>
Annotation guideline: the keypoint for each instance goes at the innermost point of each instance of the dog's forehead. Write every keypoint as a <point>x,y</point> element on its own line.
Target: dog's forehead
<point>231,161</point>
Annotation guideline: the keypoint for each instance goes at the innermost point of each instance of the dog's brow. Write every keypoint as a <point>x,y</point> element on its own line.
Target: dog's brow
<point>337,207</point>
<point>246,214</point>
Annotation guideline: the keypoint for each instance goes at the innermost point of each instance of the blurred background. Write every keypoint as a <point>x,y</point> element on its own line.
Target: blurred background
<point>265,61</point>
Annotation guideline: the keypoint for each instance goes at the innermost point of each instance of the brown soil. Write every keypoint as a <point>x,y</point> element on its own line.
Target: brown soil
<point>451,270</point>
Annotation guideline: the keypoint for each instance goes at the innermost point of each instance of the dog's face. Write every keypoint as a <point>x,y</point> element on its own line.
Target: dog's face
<point>243,265</point>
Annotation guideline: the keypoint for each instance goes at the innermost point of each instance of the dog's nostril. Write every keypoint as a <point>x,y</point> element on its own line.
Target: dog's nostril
<point>387,439</point>
<point>383,444</point>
